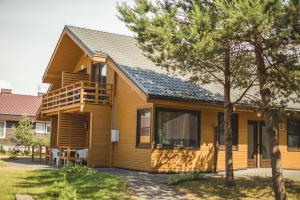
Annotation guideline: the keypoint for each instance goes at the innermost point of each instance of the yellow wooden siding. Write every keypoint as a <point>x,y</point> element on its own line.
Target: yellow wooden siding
<point>69,78</point>
<point>125,154</point>
<point>72,130</point>
<point>53,135</point>
<point>290,159</point>
<point>99,139</point>
<point>84,62</point>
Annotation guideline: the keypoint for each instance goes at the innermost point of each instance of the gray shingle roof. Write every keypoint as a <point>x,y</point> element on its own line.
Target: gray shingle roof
<point>151,79</point>
<point>163,86</point>
<point>122,49</point>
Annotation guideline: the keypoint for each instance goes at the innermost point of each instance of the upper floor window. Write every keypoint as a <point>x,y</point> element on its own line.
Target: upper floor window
<point>99,73</point>
<point>293,132</point>
<point>177,128</point>
<point>2,129</point>
<point>143,127</point>
<point>40,127</point>
<point>234,128</point>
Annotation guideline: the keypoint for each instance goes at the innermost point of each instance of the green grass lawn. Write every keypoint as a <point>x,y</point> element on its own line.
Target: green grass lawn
<point>246,188</point>
<point>50,184</point>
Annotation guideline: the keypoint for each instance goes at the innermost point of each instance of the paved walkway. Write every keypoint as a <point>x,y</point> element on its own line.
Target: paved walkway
<point>147,186</point>
<point>266,172</point>
<point>25,162</point>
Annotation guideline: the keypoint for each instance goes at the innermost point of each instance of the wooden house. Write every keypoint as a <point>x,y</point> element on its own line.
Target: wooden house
<point>12,108</point>
<point>107,97</point>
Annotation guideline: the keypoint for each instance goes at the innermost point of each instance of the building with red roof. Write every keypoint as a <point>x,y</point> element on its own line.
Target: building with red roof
<point>12,108</point>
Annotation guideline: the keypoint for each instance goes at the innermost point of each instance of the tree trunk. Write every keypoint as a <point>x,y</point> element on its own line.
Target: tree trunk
<point>271,121</point>
<point>227,121</point>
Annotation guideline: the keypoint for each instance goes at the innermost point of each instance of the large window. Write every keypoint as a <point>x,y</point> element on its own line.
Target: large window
<point>234,127</point>
<point>2,129</point>
<point>40,128</point>
<point>294,133</point>
<point>177,128</point>
<point>143,128</point>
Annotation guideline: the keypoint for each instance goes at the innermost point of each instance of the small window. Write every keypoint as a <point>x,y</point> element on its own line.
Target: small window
<point>48,127</point>
<point>294,133</point>
<point>177,128</point>
<point>40,128</point>
<point>234,127</point>
<point>2,130</point>
<point>143,127</point>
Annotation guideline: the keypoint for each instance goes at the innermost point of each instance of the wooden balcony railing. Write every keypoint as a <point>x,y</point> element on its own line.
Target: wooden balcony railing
<point>78,93</point>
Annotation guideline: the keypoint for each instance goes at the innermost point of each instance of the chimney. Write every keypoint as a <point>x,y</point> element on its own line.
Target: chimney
<point>5,91</point>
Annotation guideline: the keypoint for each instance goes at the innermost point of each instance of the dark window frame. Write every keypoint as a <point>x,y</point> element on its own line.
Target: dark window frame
<point>234,146</point>
<point>287,135</point>
<point>138,123</point>
<point>198,127</point>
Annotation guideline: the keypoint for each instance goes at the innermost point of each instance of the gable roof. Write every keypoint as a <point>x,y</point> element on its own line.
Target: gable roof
<point>149,78</point>
<point>122,49</point>
<point>17,104</point>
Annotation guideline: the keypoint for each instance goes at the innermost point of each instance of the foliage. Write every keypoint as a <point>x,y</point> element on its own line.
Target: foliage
<point>78,170</point>
<point>193,39</point>
<point>68,192</point>
<point>41,141</point>
<point>174,180</point>
<point>23,134</point>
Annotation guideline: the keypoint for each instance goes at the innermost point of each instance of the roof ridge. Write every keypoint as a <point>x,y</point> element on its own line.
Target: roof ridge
<point>96,30</point>
<point>28,95</point>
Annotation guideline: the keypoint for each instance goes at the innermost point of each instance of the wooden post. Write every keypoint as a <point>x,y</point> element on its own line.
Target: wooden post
<point>68,154</point>
<point>32,153</point>
<point>40,153</point>
<point>81,92</point>
<point>97,93</point>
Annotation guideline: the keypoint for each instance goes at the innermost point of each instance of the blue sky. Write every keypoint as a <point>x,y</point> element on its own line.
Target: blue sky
<point>30,29</point>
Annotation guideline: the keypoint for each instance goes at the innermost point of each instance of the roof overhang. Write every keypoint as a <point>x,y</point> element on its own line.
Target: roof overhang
<point>66,55</point>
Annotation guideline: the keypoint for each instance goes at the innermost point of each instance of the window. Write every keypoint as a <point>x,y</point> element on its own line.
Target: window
<point>177,128</point>
<point>234,127</point>
<point>40,128</point>
<point>48,127</point>
<point>143,127</point>
<point>2,129</point>
<point>10,124</point>
<point>293,133</point>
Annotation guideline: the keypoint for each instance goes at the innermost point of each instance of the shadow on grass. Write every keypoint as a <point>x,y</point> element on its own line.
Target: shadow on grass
<point>246,188</point>
<point>87,187</point>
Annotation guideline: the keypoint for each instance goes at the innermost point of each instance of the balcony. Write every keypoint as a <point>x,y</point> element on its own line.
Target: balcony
<point>76,95</point>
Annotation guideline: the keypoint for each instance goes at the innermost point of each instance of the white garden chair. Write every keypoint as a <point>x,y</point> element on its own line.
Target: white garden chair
<point>82,153</point>
<point>55,156</point>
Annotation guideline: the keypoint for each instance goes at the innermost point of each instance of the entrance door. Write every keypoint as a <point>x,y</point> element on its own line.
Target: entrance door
<point>258,145</point>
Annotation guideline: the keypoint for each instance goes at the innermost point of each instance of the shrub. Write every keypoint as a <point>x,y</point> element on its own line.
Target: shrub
<point>173,180</point>
<point>78,170</point>
<point>12,157</point>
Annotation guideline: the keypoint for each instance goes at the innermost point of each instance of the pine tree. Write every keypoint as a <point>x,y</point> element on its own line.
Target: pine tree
<point>192,38</point>
<point>271,29</point>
